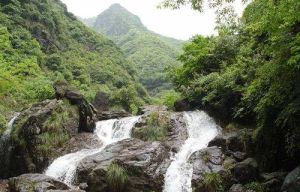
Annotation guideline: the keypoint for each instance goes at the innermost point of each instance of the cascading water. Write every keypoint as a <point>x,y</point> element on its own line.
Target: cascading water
<point>6,147</point>
<point>9,126</point>
<point>201,130</point>
<point>109,131</point>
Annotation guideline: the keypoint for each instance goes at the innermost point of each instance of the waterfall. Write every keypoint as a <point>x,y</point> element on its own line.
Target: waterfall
<point>9,127</point>
<point>6,148</point>
<point>109,131</point>
<point>201,129</point>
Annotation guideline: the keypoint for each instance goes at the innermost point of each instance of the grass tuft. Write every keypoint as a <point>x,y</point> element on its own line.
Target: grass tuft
<point>116,177</point>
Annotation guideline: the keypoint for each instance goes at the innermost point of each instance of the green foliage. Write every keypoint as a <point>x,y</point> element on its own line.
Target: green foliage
<point>40,42</point>
<point>149,53</point>
<point>251,73</point>
<point>167,98</point>
<point>3,124</point>
<point>255,186</point>
<point>54,133</point>
<point>116,177</point>
<point>156,127</point>
<point>212,182</point>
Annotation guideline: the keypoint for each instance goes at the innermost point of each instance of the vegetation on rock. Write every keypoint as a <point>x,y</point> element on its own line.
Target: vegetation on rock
<point>40,43</point>
<point>250,73</point>
<point>156,128</point>
<point>116,177</point>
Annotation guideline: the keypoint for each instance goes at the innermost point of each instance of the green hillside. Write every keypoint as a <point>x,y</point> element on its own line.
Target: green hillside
<point>149,52</point>
<point>40,43</point>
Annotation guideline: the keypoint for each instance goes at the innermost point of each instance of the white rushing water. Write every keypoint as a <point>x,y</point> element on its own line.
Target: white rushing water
<point>10,126</point>
<point>201,130</point>
<point>109,131</point>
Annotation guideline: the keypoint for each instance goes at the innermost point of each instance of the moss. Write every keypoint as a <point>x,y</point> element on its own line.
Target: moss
<point>213,182</point>
<point>116,177</point>
<point>3,124</point>
<point>51,141</point>
<point>255,186</point>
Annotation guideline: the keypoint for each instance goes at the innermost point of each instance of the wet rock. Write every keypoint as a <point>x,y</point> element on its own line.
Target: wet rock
<point>87,112</point>
<point>239,156</point>
<point>208,160</point>
<point>35,182</point>
<point>145,164</point>
<point>144,110</point>
<point>235,143</point>
<point>182,105</point>
<point>101,101</point>
<point>80,141</point>
<point>245,171</point>
<point>237,188</point>
<point>177,132</point>
<point>218,141</point>
<point>292,181</point>
<point>105,115</point>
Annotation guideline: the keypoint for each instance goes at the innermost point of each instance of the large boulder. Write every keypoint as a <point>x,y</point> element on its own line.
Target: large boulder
<point>35,133</point>
<point>35,182</point>
<point>143,163</point>
<point>272,181</point>
<point>87,112</point>
<point>292,181</point>
<point>101,101</point>
<point>41,130</point>
<point>245,171</point>
<point>207,161</point>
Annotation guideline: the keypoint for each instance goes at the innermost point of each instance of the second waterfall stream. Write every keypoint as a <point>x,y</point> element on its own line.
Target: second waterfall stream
<point>109,131</point>
<point>201,130</point>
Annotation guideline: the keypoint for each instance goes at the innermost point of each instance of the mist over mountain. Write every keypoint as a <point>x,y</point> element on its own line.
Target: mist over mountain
<point>150,53</point>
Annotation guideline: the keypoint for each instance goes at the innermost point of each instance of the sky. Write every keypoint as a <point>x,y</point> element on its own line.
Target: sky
<point>180,24</point>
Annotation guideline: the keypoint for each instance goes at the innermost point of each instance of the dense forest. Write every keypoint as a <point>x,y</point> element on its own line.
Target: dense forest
<point>42,43</point>
<point>150,53</point>
<point>106,105</point>
<point>250,74</point>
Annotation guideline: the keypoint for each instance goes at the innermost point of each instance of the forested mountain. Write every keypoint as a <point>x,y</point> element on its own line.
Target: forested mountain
<point>150,53</point>
<point>42,43</point>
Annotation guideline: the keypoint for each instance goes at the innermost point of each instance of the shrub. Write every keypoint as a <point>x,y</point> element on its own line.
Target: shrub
<point>116,177</point>
<point>213,182</point>
<point>156,127</point>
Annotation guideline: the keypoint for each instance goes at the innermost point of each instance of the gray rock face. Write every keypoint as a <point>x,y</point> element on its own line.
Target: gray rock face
<point>105,115</point>
<point>177,132</point>
<point>35,182</point>
<point>292,181</point>
<point>208,160</point>
<point>245,171</point>
<point>87,118</point>
<point>145,164</point>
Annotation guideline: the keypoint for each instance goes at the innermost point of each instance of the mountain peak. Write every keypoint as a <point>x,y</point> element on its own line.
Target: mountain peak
<point>117,20</point>
<point>116,6</point>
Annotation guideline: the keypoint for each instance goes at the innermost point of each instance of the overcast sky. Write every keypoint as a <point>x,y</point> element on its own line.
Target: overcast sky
<point>180,24</point>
